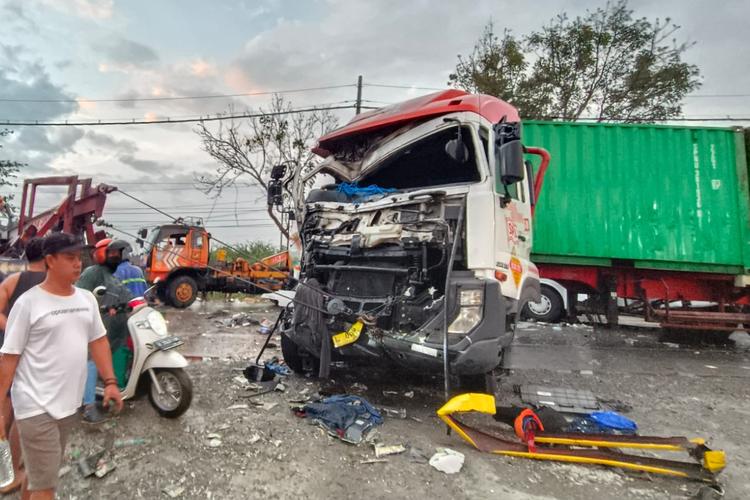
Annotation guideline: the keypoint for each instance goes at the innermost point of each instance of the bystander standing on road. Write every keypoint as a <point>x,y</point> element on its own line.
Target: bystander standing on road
<point>50,330</point>
<point>11,290</point>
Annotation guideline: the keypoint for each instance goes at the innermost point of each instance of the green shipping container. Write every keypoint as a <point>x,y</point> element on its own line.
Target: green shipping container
<point>650,196</point>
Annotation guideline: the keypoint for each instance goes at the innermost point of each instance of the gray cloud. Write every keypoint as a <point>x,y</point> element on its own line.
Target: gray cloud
<point>122,51</point>
<point>405,44</point>
<point>106,141</point>
<point>16,14</point>
<point>130,94</point>
<point>146,166</point>
<point>64,64</point>
<point>23,79</point>
<point>55,141</point>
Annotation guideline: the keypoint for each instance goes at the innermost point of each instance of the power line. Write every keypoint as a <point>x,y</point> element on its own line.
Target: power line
<point>198,119</point>
<point>416,87</point>
<point>180,98</point>
<point>401,86</point>
<point>175,218</point>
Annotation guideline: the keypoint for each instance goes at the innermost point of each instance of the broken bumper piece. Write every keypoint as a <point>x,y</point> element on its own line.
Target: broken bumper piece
<point>585,448</point>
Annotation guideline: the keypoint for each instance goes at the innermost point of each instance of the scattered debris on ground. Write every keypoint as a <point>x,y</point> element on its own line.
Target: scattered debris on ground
<point>447,460</point>
<point>263,445</point>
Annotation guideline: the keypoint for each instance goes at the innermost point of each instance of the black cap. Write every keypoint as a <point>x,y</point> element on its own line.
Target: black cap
<point>62,242</point>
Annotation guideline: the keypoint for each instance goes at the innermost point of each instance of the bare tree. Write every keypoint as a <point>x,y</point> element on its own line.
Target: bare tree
<point>247,149</point>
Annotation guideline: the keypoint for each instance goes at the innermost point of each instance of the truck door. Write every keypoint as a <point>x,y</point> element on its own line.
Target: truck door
<point>196,248</point>
<point>513,232</point>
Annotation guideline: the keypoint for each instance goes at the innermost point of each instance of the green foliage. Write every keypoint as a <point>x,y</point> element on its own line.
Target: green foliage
<point>8,172</point>
<point>251,251</point>
<point>496,67</point>
<point>606,65</point>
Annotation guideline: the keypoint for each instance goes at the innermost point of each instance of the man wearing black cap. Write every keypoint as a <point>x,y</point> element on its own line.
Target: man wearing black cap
<point>50,330</point>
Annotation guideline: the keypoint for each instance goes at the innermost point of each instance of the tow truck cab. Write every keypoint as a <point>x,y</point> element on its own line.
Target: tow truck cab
<point>432,199</point>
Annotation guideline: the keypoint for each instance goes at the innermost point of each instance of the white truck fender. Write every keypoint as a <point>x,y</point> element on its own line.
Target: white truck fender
<point>165,359</point>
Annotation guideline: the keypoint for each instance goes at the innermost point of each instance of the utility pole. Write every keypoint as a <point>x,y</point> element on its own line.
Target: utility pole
<point>359,94</point>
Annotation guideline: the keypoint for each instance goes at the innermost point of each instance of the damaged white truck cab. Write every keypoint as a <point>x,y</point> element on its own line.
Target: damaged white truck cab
<point>427,227</point>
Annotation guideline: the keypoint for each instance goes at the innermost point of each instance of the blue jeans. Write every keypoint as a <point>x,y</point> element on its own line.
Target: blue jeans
<point>89,393</point>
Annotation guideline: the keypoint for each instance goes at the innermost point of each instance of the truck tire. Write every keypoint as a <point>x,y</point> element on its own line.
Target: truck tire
<point>549,309</point>
<point>292,356</point>
<point>182,291</point>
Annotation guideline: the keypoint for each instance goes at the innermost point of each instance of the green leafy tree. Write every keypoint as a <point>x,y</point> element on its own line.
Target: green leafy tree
<point>606,65</point>
<point>251,251</point>
<point>8,172</point>
<point>497,66</point>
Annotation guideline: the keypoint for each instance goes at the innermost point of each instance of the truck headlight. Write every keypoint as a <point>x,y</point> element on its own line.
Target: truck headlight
<point>157,323</point>
<point>469,312</point>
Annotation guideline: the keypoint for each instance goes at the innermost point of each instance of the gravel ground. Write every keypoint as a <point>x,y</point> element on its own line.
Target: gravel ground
<point>266,451</point>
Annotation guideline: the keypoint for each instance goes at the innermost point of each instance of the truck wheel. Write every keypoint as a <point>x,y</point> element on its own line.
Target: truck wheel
<point>549,309</point>
<point>291,354</point>
<point>177,392</point>
<point>182,291</point>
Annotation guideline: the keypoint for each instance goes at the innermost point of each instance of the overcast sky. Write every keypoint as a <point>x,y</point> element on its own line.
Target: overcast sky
<point>101,49</point>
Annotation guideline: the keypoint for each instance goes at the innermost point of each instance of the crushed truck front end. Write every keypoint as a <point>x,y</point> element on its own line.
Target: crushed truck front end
<point>416,236</point>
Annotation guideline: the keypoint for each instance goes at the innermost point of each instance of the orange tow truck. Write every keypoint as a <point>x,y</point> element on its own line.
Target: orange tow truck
<point>177,256</point>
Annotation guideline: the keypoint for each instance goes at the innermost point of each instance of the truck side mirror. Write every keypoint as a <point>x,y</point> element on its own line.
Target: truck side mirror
<point>142,233</point>
<point>509,152</point>
<point>456,149</point>
<point>278,172</point>
<point>275,196</point>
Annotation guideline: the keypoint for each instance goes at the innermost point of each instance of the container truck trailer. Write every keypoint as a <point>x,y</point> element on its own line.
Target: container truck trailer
<point>647,213</point>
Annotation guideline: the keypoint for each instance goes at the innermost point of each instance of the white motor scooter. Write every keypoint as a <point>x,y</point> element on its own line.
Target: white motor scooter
<point>170,389</point>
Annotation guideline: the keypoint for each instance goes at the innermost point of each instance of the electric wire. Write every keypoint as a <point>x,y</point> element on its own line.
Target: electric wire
<point>177,218</point>
<point>179,98</point>
<point>162,121</point>
<point>224,272</point>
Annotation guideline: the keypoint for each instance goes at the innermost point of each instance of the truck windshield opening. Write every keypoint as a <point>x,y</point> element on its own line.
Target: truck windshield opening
<point>425,163</point>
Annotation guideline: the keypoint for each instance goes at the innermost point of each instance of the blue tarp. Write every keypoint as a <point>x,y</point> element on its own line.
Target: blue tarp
<point>352,190</point>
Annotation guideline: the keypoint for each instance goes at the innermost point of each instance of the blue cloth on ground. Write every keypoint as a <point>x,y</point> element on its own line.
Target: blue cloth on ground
<point>338,413</point>
<point>274,365</point>
<point>352,190</point>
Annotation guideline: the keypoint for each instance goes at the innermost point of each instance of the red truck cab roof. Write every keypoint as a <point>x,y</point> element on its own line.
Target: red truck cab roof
<point>427,106</point>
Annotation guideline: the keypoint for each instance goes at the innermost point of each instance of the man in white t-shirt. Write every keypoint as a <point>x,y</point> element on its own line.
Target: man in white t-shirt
<point>50,330</point>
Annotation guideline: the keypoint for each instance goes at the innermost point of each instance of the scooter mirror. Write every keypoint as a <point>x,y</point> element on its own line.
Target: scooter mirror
<point>100,291</point>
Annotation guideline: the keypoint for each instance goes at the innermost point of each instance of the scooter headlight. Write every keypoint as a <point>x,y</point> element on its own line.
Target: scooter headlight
<point>469,312</point>
<point>157,323</point>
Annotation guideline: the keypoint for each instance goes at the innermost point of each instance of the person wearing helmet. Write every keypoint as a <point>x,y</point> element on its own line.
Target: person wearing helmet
<point>108,254</point>
<point>129,275</point>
